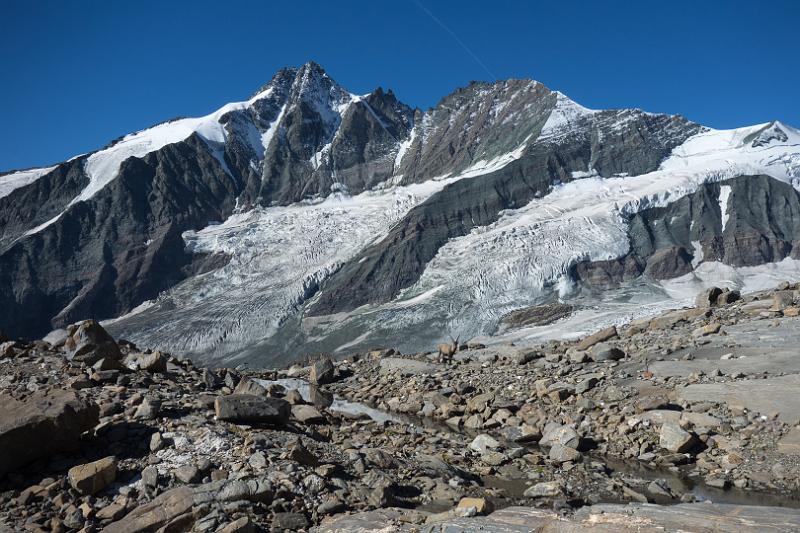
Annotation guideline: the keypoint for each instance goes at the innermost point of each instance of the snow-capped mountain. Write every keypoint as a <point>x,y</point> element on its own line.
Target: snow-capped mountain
<point>308,218</point>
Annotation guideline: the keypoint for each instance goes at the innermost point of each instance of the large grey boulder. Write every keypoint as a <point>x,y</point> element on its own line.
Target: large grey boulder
<point>88,342</point>
<point>43,424</point>
<point>321,372</point>
<point>675,439</point>
<point>248,409</point>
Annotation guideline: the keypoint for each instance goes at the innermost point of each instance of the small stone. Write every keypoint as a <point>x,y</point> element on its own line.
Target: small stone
<point>562,454</point>
<point>187,474</point>
<point>148,409</point>
<point>547,489</point>
<point>481,505</point>
<point>483,443</point>
<point>157,442</point>
<point>290,521</point>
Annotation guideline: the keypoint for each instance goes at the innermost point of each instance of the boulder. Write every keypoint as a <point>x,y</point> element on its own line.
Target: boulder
<point>88,342</point>
<point>557,434</point>
<point>248,409</point>
<point>603,352</point>
<point>149,362</point>
<point>91,478</point>
<point>600,336</point>
<point>675,439</point>
<point>483,443</point>
<point>248,385</point>
<point>307,414</point>
<point>481,505</point>
<point>321,372</point>
<point>398,366</point>
<point>151,516</point>
<point>43,424</point>
<point>561,454</point>
<point>708,298</point>
<point>546,489</point>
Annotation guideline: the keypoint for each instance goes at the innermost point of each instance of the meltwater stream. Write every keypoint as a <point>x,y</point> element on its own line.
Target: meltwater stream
<point>514,488</point>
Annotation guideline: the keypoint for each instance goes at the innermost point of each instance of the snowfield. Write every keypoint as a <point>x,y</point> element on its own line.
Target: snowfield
<point>14,180</point>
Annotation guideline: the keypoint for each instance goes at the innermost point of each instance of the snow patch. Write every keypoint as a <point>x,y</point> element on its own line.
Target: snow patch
<point>724,195</point>
<point>15,180</point>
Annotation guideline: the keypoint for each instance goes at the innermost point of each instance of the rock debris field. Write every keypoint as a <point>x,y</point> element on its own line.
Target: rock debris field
<point>683,421</point>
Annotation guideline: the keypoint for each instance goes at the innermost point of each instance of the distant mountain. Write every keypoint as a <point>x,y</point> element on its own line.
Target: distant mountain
<point>308,218</point>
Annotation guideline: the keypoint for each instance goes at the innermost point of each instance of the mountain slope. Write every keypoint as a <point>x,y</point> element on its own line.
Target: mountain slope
<point>309,218</point>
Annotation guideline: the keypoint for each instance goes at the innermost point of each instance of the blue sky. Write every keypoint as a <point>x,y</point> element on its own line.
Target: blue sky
<point>77,74</point>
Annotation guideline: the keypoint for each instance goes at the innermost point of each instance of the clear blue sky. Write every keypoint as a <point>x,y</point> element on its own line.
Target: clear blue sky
<point>76,74</point>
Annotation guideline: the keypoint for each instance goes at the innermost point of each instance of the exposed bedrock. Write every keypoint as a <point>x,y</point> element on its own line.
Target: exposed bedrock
<point>122,246</point>
<point>744,221</point>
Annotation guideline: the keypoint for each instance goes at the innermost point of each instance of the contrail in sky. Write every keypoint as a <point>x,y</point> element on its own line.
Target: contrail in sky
<point>454,36</point>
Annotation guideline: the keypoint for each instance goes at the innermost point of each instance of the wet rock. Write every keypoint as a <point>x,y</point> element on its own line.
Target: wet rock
<point>43,424</point>
<point>247,409</point>
<point>91,478</point>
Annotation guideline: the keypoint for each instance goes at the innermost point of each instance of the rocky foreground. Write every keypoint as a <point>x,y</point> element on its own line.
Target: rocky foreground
<point>636,428</point>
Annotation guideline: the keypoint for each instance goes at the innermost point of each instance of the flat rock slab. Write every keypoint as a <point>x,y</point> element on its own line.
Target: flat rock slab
<point>748,361</point>
<point>770,396</point>
<point>43,424</point>
<point>612,518</point>
<point>790,443</point>
<point>407,367</point>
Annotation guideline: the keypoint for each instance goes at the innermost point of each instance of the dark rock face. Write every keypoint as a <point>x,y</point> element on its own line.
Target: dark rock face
<point>762,224</point>
<point>43,424</point>
<point>123,246</point>
<point>380,271</point>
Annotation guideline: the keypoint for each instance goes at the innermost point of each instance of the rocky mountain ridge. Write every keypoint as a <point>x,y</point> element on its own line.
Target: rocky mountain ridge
<point>348,218</point>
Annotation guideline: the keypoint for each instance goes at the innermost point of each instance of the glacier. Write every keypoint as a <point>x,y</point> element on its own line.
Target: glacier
<point>251,310</point>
